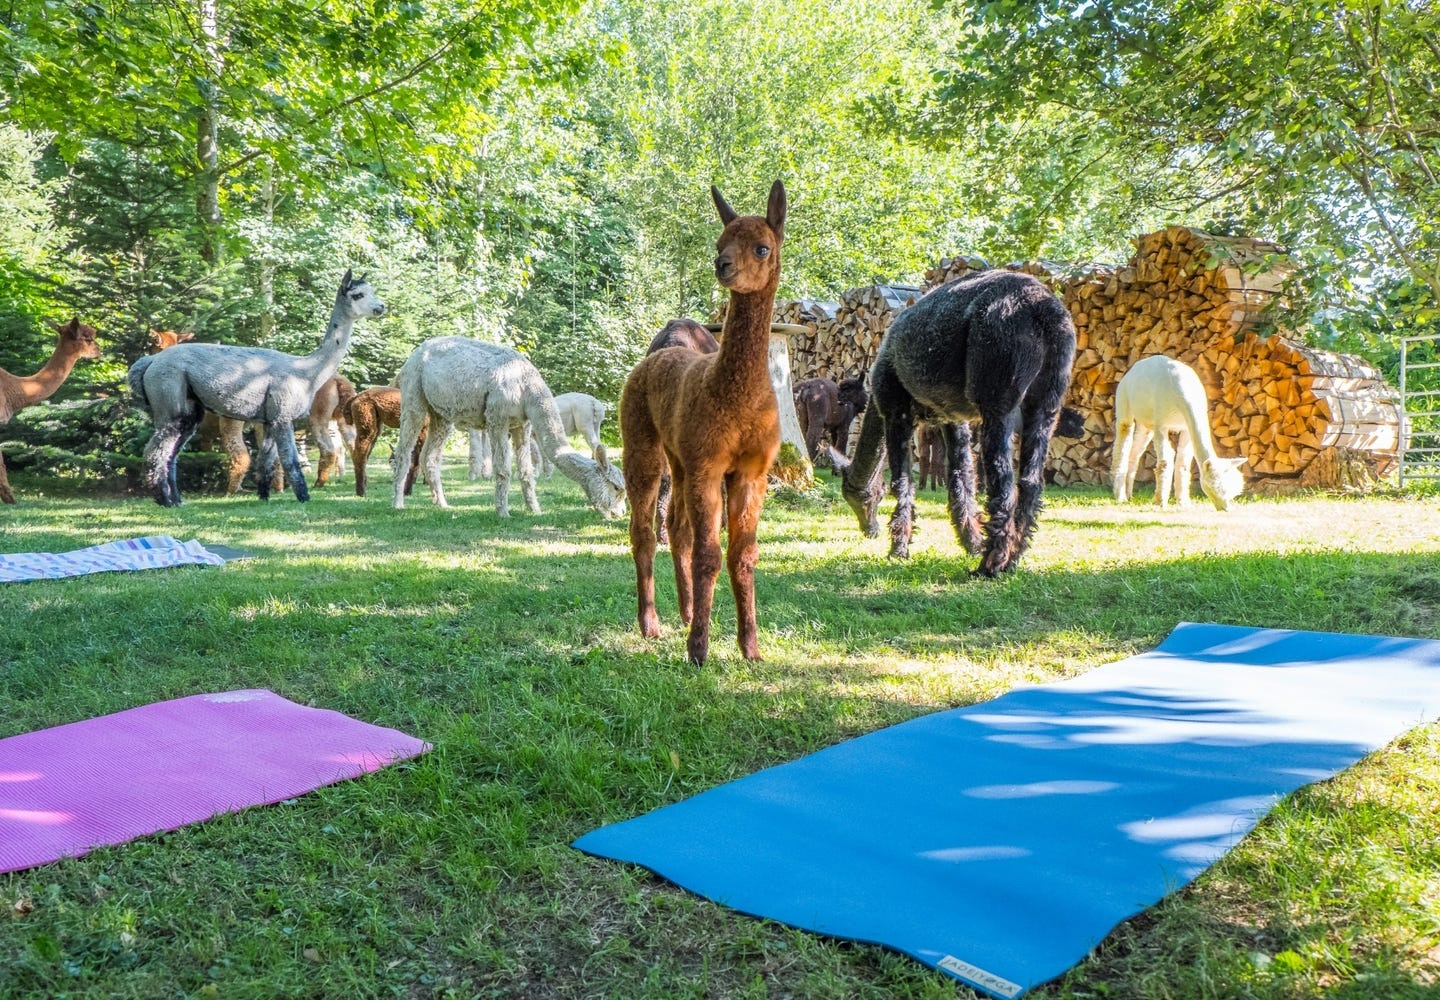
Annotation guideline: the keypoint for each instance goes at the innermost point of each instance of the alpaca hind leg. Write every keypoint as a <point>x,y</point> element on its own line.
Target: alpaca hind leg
<point>1184,458</point>
<point>327,439</point>
<point>525,467</point>
<point>501,455</point>
<point>1164,467</point>
<point>414,464</point>
<point>899,429</point>
<point>159,455</point>
<point>642,484</point>
<point>188,422</point>
<point>744,497</point>
<point>365,435</point>
<point>283,433</point>
<point>269,458</point>
<point>1139,446</point>
<point>411,421</point>
<point>702,505</point>
<point>1039,422</point>
<point>997,449</point>
<point>960,486</point>
<point>682,544</point>
<point>480,467</point>
<point>662,508</point>
<point>5,495</point>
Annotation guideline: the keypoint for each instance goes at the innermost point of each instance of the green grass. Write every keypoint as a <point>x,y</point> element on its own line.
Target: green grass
<point>511,647</point>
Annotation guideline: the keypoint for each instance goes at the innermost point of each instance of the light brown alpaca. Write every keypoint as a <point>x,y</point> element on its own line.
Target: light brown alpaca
<point>714,417</point>
<point>367,412</point>
<point>329,404</point>
<point>75,341</point>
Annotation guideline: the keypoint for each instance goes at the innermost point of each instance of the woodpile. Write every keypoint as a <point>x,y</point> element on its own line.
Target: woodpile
<point>1197,298</point>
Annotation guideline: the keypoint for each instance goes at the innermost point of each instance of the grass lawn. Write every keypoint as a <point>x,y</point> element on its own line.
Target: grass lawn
<point>511,646</point>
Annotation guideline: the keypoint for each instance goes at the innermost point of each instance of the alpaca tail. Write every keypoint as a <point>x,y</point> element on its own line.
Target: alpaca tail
<point>136,378</point>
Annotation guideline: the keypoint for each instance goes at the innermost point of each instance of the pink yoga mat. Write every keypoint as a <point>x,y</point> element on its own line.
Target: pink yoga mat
<point>67,790</point>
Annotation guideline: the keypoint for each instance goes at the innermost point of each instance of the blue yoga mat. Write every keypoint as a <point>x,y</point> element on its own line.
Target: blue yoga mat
<point>1001,842</point>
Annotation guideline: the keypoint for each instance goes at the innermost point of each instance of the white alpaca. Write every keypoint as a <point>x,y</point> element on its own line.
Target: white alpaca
<point>459,382</point>
<point>1156,396</point>
<point>582,414</point>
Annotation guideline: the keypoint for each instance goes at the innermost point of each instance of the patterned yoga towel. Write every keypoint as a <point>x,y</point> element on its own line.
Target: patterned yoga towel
<point>154,552</point>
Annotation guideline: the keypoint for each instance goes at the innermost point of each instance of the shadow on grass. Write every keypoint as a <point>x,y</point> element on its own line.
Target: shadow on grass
<point>511,646</point>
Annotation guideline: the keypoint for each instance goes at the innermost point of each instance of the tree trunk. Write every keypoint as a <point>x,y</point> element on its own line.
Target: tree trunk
<point>207,139</point>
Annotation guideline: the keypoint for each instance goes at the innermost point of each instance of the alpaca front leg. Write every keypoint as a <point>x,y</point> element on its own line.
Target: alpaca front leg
<point>480,466</point>
<point>702,503</point>
<point>5,495</point>
<point>960,486</point>
<point>525,466</point>
<point>899,429</point>
<point>744,498</point>
<point>283,433</point>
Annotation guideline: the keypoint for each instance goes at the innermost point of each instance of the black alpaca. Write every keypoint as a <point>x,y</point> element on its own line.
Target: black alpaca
<point>692,336</point>
<point>998,347</point>
<point>826,408</point>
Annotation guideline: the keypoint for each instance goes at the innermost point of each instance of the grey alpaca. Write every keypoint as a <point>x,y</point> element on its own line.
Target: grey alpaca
<point>459,382</point>
<point>178,385</point>
<point>998,347</point>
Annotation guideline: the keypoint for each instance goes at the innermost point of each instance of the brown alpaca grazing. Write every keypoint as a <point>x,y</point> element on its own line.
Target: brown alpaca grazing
<point>826,408</point>
<point>931,441</point>
<point>367,412</point>
<point>714,417</point>
<point>75,340</point>
<point>692,336</point>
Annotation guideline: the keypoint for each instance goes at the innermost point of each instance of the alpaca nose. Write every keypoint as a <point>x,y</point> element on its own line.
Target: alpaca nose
<point>723,266</point>
<point>379,309</point>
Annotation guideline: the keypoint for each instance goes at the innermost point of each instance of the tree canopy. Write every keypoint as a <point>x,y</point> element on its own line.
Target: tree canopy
<point>537,171</point>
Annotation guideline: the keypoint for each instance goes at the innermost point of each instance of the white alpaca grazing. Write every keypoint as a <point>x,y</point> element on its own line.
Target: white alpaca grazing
<point>459,382</point>
<point>1156,396</point>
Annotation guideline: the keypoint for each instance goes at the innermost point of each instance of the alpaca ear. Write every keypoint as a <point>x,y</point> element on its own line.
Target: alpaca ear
<point>727,214</point>
<point>345,281</point>
<point>775,210</point>
<point>601,456</point>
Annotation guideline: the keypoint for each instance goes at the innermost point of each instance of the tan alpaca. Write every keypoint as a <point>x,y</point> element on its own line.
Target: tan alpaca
<point>367,412</point>
<point>75,341</point>
<point>714,417</point>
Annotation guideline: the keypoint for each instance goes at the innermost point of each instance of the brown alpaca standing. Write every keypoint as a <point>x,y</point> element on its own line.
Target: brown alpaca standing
<point>330,403</point>
<point>714,417</point>
<point>76,341</point>
<point>367,413</point>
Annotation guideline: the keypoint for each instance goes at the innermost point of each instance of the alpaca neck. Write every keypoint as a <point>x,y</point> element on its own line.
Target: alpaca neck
<point>41,386</point>
<point>545,421</point>
<point>321,364</point>
<point>1197,419</point>
<point>744,358</point>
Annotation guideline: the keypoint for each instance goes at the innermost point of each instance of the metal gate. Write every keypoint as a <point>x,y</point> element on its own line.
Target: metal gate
<point>1420,408</point>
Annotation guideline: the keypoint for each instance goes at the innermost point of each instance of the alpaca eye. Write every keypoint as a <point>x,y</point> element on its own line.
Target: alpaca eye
<point>357,296</point>
<point>762,252</point>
